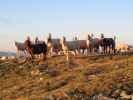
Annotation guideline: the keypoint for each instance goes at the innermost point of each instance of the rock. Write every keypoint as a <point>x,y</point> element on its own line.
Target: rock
<point>21,61</point>
<point>124,95</point>
<point>102,97</point>
<point>105,98</point>
<point>116,67</point>
<point>48,98</point>
<point>3,58</point>
<point>91,77</point>
<point>116,93</point>
<point>41,79</point>
<point>20,66</point>
<point>35,72</point>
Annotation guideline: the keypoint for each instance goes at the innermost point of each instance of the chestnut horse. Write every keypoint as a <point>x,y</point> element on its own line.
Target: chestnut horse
<point>36,48</point>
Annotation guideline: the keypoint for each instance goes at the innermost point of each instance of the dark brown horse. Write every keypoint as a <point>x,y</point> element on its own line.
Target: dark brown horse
<point>108,45</point>
<point>36,48</point>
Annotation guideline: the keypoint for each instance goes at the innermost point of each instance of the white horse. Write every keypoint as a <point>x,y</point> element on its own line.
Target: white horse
<point>64,48</point>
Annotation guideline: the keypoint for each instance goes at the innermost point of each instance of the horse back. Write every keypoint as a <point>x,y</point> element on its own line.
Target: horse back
<point>39,48</point>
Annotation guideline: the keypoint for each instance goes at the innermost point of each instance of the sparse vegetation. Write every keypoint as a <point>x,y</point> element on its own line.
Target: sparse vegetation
<point>80,79</point>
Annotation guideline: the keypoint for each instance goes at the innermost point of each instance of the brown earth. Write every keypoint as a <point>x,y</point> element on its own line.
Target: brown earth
<point>83,78</point>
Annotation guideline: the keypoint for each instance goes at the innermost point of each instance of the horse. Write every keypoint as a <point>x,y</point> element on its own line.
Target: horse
<point>93,45</point>
<point>64,47</point>
<point>108,44</point>
<point>122,47</point>
<point>79,45</point>
<point>73,46</point>
<point>53,46</point>
<point>20,48</point>
<point>36,48</point>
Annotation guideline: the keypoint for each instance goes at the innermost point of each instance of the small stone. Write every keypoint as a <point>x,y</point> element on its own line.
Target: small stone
<point>116,66</point>
<point>41,79</point>
<point>116,93</point>
<point>35,72</point>
<point>106,98</point>
<point>91,77</point>
<point>124,95</point>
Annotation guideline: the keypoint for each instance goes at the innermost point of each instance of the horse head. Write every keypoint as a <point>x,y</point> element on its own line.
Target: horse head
<point>27,44</point>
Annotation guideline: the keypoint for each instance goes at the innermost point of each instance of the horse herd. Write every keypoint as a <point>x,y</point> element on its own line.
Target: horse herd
<point>91,45</point>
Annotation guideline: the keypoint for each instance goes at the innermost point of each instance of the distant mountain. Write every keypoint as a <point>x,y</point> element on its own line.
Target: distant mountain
<point>2,53</point>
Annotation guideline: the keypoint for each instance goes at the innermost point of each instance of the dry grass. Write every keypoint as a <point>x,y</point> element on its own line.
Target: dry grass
<point>82,78</point>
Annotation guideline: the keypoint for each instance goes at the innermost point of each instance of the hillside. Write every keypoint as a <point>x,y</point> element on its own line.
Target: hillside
<point>83,78</point>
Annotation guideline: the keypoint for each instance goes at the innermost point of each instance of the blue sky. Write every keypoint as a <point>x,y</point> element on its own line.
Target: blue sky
<point>19,18</point>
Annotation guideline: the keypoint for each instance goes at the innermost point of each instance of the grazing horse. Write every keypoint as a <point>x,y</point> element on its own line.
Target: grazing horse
<point>108,44</point>
<point>36,48</point>
<point>20,48</point>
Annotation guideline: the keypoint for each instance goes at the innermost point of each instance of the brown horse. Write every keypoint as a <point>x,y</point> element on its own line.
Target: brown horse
<point>36,48</point>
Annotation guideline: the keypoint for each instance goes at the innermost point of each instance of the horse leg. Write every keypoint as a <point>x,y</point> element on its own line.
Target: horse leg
<point>50,53</point>
<point>91,50</point>
<point>25,53</point>
<point>18,53</point>
<point>113,49</point>
<point>104,50</point>
<point>67,56</point>
<point>66,53</point>
<point>30,52</point>
<point>109,48</point>
<point>78,51</point>
<point>44,56</point>
<point>83,51</point>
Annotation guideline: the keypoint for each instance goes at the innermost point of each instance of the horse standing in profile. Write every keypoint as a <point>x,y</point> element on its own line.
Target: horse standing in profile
<point>36,48</point>
<point>108,45</point>
<point>93,44</point>
<point>53,46</point>
<point>20,48</point>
